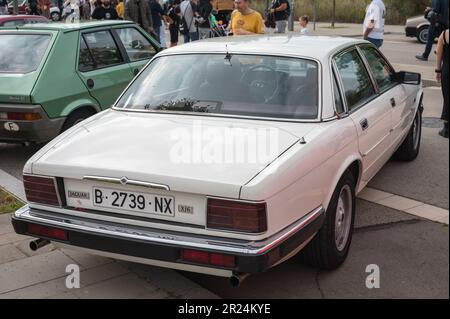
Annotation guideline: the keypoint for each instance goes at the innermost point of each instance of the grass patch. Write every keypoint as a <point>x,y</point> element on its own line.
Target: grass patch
<point>8,202</point>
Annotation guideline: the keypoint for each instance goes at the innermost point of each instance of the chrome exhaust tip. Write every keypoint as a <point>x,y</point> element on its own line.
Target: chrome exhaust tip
<point>237,279</point>
<point>38,243</point>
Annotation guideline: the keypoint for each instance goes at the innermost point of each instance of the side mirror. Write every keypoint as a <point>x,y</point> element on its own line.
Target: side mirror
<point>409,78</point>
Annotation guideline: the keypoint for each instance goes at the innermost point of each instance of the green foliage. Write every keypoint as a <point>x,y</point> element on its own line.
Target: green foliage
<point>353,11</point>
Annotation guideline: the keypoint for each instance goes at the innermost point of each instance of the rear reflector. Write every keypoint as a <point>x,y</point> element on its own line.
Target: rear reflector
<point>236,216</point>
<point>41,190</point>
<point>48,232</point>
<point>203,257</point>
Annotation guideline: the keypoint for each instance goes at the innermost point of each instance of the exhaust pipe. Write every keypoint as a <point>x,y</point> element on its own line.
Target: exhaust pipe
<point>237,279</point>
<point>38,243</point>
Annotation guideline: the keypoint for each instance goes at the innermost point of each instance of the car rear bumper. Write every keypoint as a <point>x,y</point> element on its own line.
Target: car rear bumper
<point>166,247</point>
<point>37,131</point>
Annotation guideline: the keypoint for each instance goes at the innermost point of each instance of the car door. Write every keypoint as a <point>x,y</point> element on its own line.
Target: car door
<point>371,116</point>
<point>102,67</point>
<point>391,92</point>
<point>139,49</point>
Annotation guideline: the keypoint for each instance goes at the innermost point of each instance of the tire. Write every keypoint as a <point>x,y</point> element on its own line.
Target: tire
<point>325,251</point>
<point>55,16</point>
<point>76,117</point>
<point>410,147</point>
<point>422,34</point>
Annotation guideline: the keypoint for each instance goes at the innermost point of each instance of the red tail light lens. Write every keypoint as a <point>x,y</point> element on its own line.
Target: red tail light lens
<point>202,257</point>
<point>21,116</point>
<point>49,232</point>
<point>236,216</point>
<point>41,190</point>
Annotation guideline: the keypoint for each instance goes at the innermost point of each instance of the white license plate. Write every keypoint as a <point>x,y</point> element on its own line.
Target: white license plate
<point>133,201</point>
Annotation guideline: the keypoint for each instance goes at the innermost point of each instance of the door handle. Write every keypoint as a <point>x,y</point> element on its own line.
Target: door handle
<point>364,124</point>
<point>135,72</point>
<point>90,83</point>
<point>393,104</point>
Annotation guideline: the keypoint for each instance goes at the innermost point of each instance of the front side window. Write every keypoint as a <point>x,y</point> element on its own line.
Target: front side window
<point>136,45</point>
<point>102,48</point>
<point>381,71</point>
<point>22,53</point>
<point>244,85</point>
<point>338,104</point>
<point>357,84</point>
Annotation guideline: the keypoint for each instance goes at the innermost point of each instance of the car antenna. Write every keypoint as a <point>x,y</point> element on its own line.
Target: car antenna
<point>228,55</point>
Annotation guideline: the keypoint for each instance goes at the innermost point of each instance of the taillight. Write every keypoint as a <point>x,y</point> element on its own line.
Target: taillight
<point>236,216</point>
<point>22,116</point>
<point>203,257</point>
<point>45,231</point>
<point>41,190</point>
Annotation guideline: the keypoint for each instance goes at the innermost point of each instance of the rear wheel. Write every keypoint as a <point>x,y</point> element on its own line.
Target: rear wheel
<point>422,34</point>
<point>329,248</point>
<point>410,147</point>
<point>76,117</point>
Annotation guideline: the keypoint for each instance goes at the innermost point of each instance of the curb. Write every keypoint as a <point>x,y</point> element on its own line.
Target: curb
<point>12,185</point>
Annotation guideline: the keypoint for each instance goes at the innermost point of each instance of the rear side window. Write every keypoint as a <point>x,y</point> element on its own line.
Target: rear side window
<point>101,48</point>
<point>22,53</point>
<point>136,45</point>
<point>13,23</point>
<point>357,83</point>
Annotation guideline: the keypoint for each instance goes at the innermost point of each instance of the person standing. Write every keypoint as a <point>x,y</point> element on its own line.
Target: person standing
<point>373,28</point>
<point>189,12</point>
<point>139,12</point>
<point>442,75</point>
<point>304,20</point>
<point>120,8</point>
<point>281,10</point>
<point>33,5</point>
<point>44,8</point>
<point>174,22</point>
<point>3,7</point>
<point>246,21</point>
<point>438,17</point>
<point>204,27</point>
<point>156,12</point>
<point>105,12</point>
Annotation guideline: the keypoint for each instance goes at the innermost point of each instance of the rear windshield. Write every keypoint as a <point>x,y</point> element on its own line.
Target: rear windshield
<point>242,85</point>
<point>22,53</point>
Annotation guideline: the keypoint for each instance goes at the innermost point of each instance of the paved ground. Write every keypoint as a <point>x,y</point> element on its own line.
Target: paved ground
<point>411,252</point>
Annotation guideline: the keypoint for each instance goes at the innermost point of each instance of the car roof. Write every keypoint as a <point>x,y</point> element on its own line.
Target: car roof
<point>317,47</point>
<point>4,18</point>
<point>67,27</point>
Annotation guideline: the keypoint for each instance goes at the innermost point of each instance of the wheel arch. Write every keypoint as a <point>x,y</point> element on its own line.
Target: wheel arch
<point>354,164</point>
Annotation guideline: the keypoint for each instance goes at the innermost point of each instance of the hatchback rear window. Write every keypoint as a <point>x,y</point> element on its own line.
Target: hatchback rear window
<point>22,53</point>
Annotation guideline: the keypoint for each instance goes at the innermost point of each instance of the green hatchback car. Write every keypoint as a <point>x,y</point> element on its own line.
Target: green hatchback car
<point>53,76</point>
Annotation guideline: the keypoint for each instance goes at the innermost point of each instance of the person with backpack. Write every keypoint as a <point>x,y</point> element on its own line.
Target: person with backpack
<point>174,22</point>
<point>189,14</point>
<point>281,11</point>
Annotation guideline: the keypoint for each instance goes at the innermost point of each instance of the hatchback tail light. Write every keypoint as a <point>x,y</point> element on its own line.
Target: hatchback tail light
<point>41,190</point>
<point>236,216</point>
<point>22,116</point>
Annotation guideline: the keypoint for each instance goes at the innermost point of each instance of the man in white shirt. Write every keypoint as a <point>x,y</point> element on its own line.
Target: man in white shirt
<point>373,28</point>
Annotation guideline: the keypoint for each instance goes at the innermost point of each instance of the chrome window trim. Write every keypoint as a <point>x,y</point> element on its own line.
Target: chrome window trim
<point>116,180</point>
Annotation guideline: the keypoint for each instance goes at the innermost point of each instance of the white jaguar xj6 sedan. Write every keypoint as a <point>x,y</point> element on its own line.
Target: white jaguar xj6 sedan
<point>227,156</point>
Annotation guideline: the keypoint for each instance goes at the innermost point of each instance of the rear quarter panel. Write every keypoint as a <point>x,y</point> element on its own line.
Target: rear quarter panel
<point>305,176</point>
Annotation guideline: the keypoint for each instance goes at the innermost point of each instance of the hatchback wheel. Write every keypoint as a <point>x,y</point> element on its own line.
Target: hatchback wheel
<point>330,246</point>
<point>76,117</point>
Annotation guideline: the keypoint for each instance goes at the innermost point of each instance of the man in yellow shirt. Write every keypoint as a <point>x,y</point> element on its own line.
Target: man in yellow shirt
<point>245,20</point>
